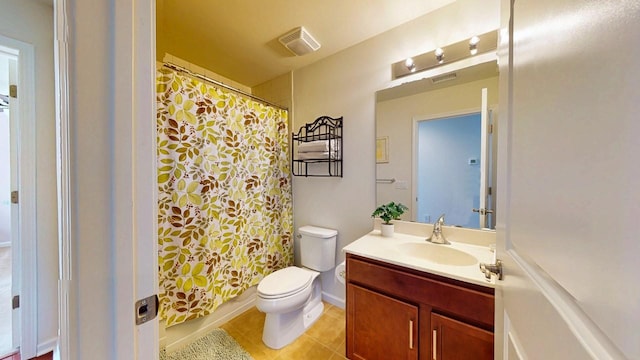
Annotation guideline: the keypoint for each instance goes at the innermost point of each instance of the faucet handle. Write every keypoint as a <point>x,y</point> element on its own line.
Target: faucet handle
<point>492,269</point>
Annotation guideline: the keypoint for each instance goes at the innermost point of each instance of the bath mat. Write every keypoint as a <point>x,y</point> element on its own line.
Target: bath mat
<point>215,345</point>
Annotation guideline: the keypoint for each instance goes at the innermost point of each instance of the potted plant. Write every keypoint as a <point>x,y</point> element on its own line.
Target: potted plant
<point>388,212</point>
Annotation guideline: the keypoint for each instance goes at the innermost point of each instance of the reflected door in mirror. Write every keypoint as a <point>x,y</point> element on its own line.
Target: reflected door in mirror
<point>449,170</point>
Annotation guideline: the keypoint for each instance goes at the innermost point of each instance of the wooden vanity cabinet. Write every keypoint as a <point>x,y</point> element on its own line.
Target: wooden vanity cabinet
<point>399,313</point>
<point>381,325</point>
<point>458,340</point>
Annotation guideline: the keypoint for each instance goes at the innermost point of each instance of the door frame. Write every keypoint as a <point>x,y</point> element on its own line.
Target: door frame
<point>63,159</point>
<point>414,148</point>
<point>134,221</point>
<point>27,214</point>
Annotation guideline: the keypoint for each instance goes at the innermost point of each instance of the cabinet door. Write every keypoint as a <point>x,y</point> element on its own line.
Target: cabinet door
<point>452,339</point>
<point>380,327</point>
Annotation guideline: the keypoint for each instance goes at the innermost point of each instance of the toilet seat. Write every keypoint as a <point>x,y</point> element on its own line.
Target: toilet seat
<point>285,282</point>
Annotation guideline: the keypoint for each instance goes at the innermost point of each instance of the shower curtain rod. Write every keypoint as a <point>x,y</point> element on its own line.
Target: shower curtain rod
<point>218,83</point>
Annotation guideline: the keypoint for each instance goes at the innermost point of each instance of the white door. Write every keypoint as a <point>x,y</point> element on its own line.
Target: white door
<point>15,207</point>
<point>568,225</point>
<point>23,178</point>
<point>9,329</point>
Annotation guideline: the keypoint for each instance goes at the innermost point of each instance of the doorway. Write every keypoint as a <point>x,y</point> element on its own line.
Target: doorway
<point>19,69</point>
<point>449,169</point>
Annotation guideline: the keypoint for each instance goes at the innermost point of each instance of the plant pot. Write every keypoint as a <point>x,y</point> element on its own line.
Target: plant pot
<point>387,230</point>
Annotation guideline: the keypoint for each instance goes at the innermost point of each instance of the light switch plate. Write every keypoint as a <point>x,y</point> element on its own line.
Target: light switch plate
<point>401,185</point>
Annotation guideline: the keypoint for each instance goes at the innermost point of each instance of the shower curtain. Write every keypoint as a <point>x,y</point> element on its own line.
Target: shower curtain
<point>224,194</point>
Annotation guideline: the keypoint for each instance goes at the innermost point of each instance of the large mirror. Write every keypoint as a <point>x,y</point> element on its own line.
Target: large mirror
<point>435,149</point>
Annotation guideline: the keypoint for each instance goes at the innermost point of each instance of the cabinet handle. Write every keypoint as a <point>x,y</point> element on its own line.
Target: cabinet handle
<point>410,334</point>
<point>434,345</point>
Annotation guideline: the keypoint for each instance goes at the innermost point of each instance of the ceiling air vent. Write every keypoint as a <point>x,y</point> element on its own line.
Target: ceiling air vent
<point>443,78</point>
<point>299,41</point>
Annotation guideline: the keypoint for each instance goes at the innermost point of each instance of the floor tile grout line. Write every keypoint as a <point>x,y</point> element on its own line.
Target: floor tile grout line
<point>247,334</point>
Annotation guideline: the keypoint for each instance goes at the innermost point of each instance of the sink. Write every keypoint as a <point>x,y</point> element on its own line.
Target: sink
<point>440,254</point>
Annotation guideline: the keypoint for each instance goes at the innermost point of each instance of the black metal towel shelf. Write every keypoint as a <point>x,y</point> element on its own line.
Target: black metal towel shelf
<point>325,163</point>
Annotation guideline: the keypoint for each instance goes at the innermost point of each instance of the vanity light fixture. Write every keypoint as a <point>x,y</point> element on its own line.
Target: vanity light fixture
<point>410,64</point>
<point>473,45</point>
<point>466,48</point>
<point>439,55</point>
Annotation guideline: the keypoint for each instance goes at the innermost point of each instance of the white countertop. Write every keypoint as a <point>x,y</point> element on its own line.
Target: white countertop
<point>389,250</point>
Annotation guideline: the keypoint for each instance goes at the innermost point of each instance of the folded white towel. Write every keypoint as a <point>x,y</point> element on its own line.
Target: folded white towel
<point>318,146</point>
<point>317,155</point>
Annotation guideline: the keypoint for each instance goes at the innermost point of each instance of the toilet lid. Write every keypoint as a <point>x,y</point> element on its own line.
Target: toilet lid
<point>284,282</point>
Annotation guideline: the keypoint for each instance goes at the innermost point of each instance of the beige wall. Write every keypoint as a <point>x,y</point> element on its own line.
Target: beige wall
<point>277,91</point>
<point>395,120</point>
<point>344,85</point>
<point>32,22</point>
<point>168,58</point>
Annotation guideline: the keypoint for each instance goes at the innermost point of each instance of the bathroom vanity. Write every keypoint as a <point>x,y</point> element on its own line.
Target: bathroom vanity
<point>408,299</point>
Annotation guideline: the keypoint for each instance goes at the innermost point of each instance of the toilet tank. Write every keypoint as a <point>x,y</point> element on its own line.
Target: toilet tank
<point>317,247</point>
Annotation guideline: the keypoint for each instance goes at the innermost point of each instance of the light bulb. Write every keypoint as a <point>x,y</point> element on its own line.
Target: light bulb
<point>439,55</point>
<point>410,64</point>
<point>473,45</point>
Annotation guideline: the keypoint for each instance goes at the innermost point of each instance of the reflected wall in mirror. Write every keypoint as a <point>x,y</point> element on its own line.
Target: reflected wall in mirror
<point>434,147</point>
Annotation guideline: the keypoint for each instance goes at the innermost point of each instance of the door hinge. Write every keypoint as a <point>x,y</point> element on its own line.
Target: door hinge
<point>13,91</point>
<point>15,198</point>
<point>490,128</point>
<point>15,302</point>
<point>147,309</point>
<point>489,191</point>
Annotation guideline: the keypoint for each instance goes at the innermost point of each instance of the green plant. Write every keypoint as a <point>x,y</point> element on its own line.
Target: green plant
<point>390,211</point>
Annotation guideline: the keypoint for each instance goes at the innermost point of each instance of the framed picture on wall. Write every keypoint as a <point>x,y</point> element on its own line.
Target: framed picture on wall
<point>382,150</point>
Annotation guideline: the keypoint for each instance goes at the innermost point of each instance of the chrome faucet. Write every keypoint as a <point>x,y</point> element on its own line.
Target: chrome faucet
<point>437,237</point>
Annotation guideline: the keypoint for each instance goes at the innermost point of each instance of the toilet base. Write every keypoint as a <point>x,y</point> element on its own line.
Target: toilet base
<point>282,329</point>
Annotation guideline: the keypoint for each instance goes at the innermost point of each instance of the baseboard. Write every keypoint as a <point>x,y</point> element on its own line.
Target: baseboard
<point>46,347</point>
<point>181,335</point>
<point>333,300</point>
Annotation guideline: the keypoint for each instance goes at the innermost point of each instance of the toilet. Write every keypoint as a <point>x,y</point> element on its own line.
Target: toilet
<point>292,297</point>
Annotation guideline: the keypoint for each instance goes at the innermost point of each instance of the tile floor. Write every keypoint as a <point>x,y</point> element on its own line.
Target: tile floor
<point>324,340</point>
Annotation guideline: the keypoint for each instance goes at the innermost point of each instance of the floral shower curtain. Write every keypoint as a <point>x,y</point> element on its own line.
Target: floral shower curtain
<point>225,207</point>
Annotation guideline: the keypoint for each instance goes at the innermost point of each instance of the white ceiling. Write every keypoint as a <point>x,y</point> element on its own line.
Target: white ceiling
<point>238,39</point>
